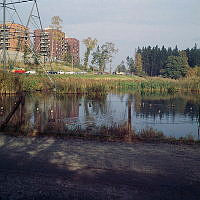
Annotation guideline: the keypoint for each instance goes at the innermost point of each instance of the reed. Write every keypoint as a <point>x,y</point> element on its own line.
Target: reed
<point>9,83</point>
<point>90,83</point>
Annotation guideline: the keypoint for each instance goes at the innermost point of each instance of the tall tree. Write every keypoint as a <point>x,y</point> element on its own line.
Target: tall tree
<point>56,35</point>
<point>193,56</point>
<point>138,63</point>
<point>90,45</point>
<point>176,67</point>
<point>130,64</point>
<point>103,55</point>
<point>110,48</point>
<point>56,23</point>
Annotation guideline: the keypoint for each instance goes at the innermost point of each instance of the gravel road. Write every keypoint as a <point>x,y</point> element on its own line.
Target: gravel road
<point>53,168</point>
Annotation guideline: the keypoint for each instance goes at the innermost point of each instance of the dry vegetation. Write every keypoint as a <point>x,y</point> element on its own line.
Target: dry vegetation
<point>95,83</point>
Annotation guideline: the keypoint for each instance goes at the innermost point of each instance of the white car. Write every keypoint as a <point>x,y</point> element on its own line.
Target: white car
<point>70,72</point>
<point>61,72</point>
<point>30,72</point>
<point>81,72</point>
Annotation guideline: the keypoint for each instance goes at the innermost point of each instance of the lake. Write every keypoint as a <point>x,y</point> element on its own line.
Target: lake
<point>176,115</point>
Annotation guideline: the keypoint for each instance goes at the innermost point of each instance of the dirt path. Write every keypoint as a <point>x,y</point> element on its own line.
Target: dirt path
<point>50,168</point>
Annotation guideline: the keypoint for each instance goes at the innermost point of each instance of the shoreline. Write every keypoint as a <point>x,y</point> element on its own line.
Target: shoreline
<point>126,139</point>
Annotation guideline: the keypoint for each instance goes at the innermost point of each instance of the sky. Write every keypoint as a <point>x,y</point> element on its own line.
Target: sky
<point>127,23</point>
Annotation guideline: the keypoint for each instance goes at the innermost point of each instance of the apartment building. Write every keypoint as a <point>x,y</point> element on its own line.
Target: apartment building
<point>52,44</point>
<point>17,37</point>
<point>73,48</point>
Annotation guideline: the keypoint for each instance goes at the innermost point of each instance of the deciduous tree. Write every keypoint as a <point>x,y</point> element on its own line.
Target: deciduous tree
<point>138,63</point>
<point>90,45</point>
<point>104,55</point>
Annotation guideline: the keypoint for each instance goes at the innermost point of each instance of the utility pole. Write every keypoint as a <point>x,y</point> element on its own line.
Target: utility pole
<point>34,17</point>
<point>72,62</point>
<point>4,35</point>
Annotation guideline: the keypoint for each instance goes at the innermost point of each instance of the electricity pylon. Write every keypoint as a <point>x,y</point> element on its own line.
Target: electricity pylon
<point>25,13</point>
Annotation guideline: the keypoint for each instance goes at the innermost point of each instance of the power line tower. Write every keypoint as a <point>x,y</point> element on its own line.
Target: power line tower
<point>18,21</point>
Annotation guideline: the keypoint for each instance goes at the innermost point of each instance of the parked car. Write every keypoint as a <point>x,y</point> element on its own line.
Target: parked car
<point>52,72</point>
<point>61,72</point>
<point>19,71</point>
<point>30,72</point>
<point>81,72</point>
<point>70,72</point>
<point>120,73</point>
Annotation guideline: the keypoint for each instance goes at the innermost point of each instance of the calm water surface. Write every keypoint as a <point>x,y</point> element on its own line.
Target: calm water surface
<point>175,115</point>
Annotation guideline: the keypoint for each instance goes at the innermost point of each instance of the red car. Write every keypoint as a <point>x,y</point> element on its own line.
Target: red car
<point>19,71</point>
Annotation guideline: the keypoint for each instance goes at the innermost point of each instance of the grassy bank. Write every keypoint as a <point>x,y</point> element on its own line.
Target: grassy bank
<point>90,83</point>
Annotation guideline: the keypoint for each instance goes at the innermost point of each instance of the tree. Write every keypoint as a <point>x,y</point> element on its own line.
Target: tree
<point>36,59</point>
<point>138,63</point>
<point>26,56</point>
<point>193,56</point>
<point>176,66</point>
<point>121,67</point>
<point>56,35</point>
<point>103,55</point>
<point>109,47</point>
<point>90,45</point>
<point>56,23</point>
<point>98,58</point>
<point>130,64</point>
<point>68,58</point>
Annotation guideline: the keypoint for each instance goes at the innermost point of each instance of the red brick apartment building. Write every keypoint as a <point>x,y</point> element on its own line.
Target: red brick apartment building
<point>49,43</point>
<point>17,37</point>
<point>73,48</point>
<point>52,44</point>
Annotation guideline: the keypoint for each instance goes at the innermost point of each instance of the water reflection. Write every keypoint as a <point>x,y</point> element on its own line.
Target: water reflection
<point>176,115</point>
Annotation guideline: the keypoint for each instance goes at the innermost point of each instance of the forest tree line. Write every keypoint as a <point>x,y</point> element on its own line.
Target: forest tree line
<point>166,62</point>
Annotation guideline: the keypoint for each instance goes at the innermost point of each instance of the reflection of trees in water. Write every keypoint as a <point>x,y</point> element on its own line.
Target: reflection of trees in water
<point>17,121</point>
<point>170,107</point>
<point>192,110</point>
<point>59,108</point>
<point>42,113</point>
<point>94,106</point>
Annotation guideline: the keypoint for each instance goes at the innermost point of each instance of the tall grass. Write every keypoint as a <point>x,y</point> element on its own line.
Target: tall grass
<point>95,83</point>
<point>9,83</point>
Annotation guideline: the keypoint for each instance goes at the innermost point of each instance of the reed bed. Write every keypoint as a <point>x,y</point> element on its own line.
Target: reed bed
<point>9,83</point>
<point>77,84</point>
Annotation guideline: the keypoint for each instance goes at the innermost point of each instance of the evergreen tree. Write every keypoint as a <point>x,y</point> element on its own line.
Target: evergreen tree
<point>176,67</point>
<point>193,56</point>
<point>154,59</point>
<point>130,64</point>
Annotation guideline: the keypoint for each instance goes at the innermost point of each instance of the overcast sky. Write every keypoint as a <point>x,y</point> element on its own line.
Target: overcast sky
<point>128,23</point>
